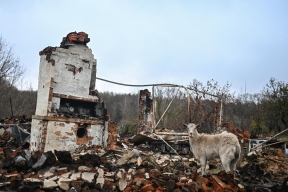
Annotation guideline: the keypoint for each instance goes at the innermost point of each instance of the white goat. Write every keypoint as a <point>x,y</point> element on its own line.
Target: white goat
<point>206,147</point>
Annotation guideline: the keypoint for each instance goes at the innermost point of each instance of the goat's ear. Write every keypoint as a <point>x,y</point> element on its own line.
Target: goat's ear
<point>185,125</point>
<point>197,126</point>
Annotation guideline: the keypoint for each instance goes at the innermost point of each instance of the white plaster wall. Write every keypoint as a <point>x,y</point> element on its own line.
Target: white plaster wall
<point>36,134</point>
<point>98,133</point>
<point>65,81</point>
<point>58,136</point>
<point>46,71</point>
<point>62,136</point>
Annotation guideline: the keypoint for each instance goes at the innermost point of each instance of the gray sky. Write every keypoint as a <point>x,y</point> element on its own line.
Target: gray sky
<point>142,42</point>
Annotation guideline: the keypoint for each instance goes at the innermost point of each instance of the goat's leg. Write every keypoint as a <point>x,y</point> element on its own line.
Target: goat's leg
<point>226,162</point>
<point>234,156</point>
<point>233,163</point>
<point>203,162</point>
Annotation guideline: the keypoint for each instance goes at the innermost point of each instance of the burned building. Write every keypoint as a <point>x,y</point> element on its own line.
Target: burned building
<point>146,115</point>
<point>69,112</point>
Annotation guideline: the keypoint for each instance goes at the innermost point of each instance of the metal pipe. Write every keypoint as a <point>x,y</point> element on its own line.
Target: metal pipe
<point>153,110</point>
<point>274,143</point>
<point>188,103</point>
<point>167,108</point>
<point>220,120</point>
<point>167,144</point>
<point>260,144</point>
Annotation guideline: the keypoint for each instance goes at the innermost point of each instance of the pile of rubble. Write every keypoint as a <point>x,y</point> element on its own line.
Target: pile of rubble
<point>125,167</point>
<point>15,120</point>
<point>266,169</point>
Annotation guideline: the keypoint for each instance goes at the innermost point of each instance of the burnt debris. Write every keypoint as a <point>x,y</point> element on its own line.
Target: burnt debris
<point>134,168</point>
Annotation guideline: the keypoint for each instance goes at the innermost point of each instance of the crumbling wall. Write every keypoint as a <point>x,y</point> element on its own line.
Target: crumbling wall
<point>146,116</point>
<point>69,113</point>
<point>46,73</point>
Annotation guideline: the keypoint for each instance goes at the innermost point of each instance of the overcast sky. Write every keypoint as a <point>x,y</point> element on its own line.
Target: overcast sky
<point>148,41</point>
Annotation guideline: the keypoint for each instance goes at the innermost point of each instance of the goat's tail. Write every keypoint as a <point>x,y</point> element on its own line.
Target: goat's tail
<point>238,156</point>
<point>237,152</point>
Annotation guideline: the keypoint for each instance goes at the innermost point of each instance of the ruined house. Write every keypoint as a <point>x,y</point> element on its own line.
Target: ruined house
<point>69,112</point>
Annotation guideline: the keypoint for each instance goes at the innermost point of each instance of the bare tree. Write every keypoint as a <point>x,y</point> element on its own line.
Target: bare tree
<point>11,72</point>
<point>10,68</point>
<point>258,112</point>
<point>204,102</point>
<point>275,102</point>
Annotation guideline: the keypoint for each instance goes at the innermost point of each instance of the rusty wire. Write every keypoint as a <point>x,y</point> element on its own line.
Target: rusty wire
<point>165,85</point>
<point>158,84</point>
